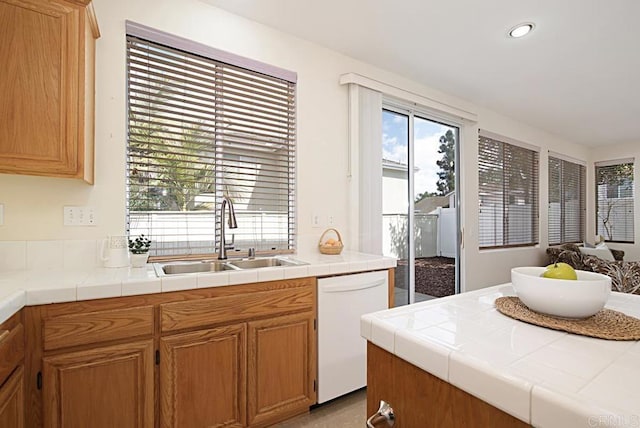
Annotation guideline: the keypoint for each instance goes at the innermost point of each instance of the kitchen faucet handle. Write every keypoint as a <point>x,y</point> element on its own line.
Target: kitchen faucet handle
<point>230,245</point>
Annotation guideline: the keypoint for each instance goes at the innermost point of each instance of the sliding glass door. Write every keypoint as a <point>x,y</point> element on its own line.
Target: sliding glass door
<point>395,198</point>
<point>420,204</point>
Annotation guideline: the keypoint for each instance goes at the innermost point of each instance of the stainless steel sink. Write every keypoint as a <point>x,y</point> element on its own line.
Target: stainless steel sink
<point>261,263</point>
<point>176,268</point>
<point>184,267</point>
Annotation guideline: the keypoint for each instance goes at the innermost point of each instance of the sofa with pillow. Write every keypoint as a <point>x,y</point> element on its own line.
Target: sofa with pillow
<point>625,275</point>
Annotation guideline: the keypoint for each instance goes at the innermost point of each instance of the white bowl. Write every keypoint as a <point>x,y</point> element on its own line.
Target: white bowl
<point>565,298</point>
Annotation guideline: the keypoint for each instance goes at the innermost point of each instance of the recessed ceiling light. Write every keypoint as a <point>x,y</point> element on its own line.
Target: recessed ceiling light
<point>521,29</point>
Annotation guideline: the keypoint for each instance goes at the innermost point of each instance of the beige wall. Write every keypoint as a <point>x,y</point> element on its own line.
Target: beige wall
<point>34,206</point>
<point>487,267</point>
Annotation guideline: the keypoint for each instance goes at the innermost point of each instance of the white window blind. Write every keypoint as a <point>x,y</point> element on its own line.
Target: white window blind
<point>200,129</point>
<point>615,201</point>
<point>566,201</point>
<point>508,186</point>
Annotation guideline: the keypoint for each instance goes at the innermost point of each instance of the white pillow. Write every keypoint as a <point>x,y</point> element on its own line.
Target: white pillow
<point>601,251</point>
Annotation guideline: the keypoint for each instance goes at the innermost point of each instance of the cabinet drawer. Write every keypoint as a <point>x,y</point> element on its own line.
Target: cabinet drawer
<point>12,400</point>
<point>233,308</point>
<point>11,349</point>
<point>93,327</point>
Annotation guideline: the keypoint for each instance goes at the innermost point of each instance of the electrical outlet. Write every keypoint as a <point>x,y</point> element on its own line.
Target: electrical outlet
<point>315,220</point>
<point>79,216</point>
<point>330,219</point>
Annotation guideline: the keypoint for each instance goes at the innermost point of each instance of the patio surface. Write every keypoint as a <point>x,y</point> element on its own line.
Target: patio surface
<point>435,276</point>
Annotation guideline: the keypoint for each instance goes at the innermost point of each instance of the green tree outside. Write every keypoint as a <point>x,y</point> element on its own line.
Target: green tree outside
<point>447,176</point>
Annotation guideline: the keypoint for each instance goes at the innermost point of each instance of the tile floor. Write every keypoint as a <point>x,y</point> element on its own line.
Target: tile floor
<point>348,411</point>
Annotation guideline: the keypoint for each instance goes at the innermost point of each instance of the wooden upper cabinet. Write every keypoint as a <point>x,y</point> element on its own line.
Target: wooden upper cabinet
<point>47,85</point>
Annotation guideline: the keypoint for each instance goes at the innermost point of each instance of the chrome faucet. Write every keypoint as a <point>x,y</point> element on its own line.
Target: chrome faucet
<point>222,249</point>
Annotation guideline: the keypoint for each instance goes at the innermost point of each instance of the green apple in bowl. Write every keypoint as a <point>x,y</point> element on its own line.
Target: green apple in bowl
<point>560,271</point>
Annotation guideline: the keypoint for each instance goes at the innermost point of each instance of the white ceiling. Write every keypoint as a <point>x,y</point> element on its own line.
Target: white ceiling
<point>576,75</point>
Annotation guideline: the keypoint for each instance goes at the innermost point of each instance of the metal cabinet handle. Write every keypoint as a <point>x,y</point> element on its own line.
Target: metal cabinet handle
<point>385,411</point>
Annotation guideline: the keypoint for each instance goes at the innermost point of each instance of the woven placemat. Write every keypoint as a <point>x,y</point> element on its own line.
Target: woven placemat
<point>606,324</point>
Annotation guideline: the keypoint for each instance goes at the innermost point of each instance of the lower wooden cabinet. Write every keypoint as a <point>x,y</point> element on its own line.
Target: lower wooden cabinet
<point>237,356</point>
<point>281,368</point>
<point>12,391</point>
<point>108,387</point>
<point>203,378</point>
<point>249,374</point>
<point>12,400</point>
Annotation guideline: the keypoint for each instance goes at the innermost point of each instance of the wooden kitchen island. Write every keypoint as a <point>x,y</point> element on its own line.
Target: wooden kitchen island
<point>457,362</point>
<point>422,400</point>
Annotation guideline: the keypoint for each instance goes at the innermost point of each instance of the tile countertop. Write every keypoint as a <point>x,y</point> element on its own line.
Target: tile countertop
<point>544,377</point>
<point>19,288</point>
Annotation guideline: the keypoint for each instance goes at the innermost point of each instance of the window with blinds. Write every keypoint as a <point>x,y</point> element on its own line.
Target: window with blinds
<point>200,129</point>
<point>566,201</point>
<point>614,201</point>
<point>508,190</point>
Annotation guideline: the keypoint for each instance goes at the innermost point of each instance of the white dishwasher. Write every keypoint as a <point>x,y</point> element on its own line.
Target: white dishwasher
<point>342,352</point>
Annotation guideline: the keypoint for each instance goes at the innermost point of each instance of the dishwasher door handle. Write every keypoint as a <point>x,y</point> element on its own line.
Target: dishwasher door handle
<point>339,288</point>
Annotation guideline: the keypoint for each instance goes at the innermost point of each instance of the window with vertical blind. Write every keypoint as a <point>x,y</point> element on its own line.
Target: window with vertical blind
<point>615,200</point>
<point>199,129</point>
<point>566,201</point>
<point>508,194</point>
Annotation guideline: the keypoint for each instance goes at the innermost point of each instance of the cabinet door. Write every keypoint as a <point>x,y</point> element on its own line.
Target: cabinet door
<point>43,88</point>
<point>106,387</point>
<point>12,401</point>
<point>203,378</point>
<point>282,355</point>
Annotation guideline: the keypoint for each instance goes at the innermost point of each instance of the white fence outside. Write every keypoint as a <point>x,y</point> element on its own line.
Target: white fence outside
<point>434,234</point>
<point>193,232</point>
<point>571,217</point>
<point>619,212</point>
<point>447,237</point>
<point>492,227</point>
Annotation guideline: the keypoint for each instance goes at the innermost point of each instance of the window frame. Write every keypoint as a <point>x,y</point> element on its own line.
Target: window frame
<point>630,204</point>
<point>564,163</point>
<point>234,157</point>
<point>505,193</point>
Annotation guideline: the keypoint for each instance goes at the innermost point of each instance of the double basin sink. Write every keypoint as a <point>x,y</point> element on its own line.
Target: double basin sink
<point>175,268</point>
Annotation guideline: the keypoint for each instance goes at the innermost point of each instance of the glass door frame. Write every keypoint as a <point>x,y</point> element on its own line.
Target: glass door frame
<point>411,112</point>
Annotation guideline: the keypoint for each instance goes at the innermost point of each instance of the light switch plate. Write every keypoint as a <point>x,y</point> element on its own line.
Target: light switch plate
<point>1,214</point>
<point>79,216</point>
